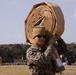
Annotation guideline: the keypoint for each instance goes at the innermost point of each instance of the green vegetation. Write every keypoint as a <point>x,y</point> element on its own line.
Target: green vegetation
<point>13,51</point>
<point>9,52</point>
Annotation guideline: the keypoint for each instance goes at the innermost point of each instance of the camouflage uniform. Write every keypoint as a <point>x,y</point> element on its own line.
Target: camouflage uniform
<point>39,60</point>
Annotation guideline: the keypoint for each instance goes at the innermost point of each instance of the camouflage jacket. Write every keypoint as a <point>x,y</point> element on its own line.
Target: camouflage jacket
<point>39,60</point>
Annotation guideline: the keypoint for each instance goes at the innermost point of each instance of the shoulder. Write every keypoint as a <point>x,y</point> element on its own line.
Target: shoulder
<point>31,50</point>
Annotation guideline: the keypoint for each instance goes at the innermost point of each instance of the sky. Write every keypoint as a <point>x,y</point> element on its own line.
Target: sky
<point>14,12</point>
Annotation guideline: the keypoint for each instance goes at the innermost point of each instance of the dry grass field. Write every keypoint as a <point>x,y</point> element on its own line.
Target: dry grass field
<point>23,70</point>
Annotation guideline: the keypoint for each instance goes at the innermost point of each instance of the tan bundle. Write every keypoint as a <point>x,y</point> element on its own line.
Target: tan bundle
<point>52,17</point>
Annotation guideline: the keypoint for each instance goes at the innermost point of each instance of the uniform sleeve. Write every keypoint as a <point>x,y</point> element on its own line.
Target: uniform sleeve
<point>48,52</point>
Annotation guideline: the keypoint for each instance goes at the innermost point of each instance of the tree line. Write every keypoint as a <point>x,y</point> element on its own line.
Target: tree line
<point>9,52</point>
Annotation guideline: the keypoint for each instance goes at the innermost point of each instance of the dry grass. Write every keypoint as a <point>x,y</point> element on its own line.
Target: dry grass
<point>70,70</point>
<point>14,70</point>
<point>23,70</point>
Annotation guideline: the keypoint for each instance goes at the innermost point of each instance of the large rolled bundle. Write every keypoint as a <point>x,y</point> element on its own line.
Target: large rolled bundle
<point>52,17</point>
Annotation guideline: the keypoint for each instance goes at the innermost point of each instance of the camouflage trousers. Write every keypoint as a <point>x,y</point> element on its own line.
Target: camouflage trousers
<point>43,73</point>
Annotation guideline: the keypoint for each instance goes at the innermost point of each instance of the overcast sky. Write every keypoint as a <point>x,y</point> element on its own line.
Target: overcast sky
<point>14,12</point>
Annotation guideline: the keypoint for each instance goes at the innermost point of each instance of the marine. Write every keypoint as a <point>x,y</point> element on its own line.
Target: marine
<point>39,56</point>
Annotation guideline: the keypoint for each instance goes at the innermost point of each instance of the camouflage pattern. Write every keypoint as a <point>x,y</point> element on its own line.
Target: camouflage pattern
<point>39,60</point>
